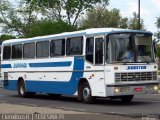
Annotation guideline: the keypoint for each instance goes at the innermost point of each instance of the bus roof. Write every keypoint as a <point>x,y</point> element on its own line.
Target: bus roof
<point>86,32</point>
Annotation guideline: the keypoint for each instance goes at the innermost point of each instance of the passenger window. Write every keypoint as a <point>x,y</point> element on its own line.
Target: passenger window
<point>29,50</point>
<point>42,49</point>
<point>16,51</point>
<point>89,49</point>
<point>75,46</point>
<point>98,50</point>
<point>57,47</point>
<point>6,52</point>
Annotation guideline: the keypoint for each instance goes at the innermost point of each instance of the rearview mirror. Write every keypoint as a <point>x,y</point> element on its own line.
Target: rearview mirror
<point>155,46</point>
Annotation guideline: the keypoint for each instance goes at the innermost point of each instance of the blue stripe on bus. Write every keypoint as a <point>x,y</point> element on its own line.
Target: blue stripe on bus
<point>51,64</point>
<point>6,66</point>
<point>44,64</point>
<point>60,87</point>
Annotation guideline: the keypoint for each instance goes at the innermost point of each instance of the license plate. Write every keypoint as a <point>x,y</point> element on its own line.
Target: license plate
<point>138,89</point>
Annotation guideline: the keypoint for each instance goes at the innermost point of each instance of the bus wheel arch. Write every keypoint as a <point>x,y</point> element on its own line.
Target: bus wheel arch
<point>19,80</point>
<point>84,91</point>
<point>21,88</point>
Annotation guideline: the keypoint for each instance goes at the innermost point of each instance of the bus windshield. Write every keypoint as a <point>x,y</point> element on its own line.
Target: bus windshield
<point>129,47</point>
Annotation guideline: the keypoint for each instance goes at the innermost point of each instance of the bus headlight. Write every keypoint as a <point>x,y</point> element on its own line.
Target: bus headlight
<point>152,89</point>
<point>155,88</point>
<point>117,90</point>
<point>122,90</point>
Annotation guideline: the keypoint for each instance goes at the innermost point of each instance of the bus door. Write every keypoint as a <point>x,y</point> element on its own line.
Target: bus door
<point>99,63</point>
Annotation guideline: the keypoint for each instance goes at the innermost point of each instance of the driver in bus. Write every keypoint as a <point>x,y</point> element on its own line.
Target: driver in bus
<point>130,56</point>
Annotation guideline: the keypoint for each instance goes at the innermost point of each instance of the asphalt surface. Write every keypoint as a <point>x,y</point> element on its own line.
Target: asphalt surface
<point>143,104</point>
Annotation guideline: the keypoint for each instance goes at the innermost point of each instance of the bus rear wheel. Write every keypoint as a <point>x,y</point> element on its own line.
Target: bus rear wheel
<point>126,99</point>
<point>21,89</point>
<point>86,93</point>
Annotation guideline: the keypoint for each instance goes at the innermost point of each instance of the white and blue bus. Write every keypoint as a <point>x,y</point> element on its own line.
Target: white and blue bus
<point>98,62</point>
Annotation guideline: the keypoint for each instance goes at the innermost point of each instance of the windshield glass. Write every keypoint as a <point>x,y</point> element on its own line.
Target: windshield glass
<point>143,45</point>
<point>129,47</point>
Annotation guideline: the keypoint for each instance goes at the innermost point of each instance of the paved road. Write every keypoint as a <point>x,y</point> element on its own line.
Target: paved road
<point>144,104</point>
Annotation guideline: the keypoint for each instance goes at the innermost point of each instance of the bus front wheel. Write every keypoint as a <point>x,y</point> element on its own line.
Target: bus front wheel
<point>86,93</point>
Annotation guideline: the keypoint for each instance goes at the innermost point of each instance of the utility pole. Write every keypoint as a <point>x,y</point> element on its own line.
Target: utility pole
<point>139,15</point>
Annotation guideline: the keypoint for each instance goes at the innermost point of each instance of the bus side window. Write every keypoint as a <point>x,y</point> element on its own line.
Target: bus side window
<point>29,50</point>
<point>42,49</point>
<point>57,48</point>
<point>89,49</point>
<point>98,50</point>
<point>17,52</point>
<point>6,52</point>
<point>75,46</point>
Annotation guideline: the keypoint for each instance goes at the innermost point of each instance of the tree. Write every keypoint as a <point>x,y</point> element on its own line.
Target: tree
<point>123,23</point>
<point>158,22</point>
<point>17,19</point>
<point>133,22</point>
<point>102,17</point>
<point>45,27</point>
<point>157,34</point>
<point>6,37</point>
<point>66,10</point>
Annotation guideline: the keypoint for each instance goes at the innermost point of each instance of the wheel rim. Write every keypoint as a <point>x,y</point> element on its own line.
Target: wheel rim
<point>86,92</point>
<point>22,90</point>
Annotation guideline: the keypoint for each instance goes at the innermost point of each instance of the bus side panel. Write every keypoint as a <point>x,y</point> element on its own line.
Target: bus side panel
<point>10,84</point>
<point>95,77</point>
<point>44,82</point>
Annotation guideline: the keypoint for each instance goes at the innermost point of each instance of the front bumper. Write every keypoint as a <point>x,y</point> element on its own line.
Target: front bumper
<point>132,89</point>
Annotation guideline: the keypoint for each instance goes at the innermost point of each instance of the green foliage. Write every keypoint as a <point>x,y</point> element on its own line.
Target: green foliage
<point>6,37</point>
<point>24,18</point>
<point>123,23</point>
<point>157,34</point>
<point>16,18</point>
<point>42,28</point>
<point>158,51</point>
<point>69,10</point>
<point>133,22</point>
<point>158,22</point>
<point>44,17</point>
<point>102,17</point>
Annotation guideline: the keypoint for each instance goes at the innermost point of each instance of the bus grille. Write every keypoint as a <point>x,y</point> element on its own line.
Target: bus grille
<point>137,76</point>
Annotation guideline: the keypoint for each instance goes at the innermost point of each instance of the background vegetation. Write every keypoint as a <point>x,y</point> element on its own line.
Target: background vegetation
<point>30,18</point>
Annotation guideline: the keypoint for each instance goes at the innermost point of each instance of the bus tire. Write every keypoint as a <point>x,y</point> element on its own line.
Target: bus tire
<point>127,98</point>
<point>86,93</point>
<point>22,89</point>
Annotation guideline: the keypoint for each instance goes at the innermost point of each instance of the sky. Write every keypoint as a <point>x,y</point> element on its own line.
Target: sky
<point>150,9</point>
